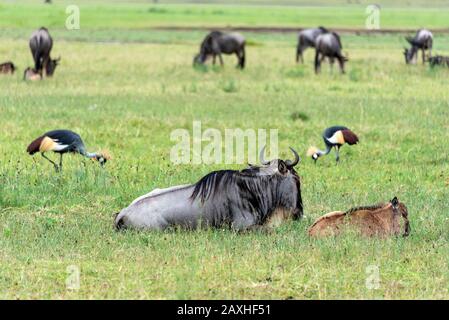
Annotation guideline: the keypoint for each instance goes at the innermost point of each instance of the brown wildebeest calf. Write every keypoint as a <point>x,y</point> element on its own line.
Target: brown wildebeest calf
<point>31,74</point>
<point>378,220</point>
<point>7,67</point>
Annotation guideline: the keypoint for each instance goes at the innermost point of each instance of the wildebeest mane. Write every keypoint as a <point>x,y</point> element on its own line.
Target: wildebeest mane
<point>207,42</point>
<point>208,184</point>
<point>380,205</point>
<point>371,207</point>
<point>323,29</point>
<point>338,39</point>
<point>258,194</point>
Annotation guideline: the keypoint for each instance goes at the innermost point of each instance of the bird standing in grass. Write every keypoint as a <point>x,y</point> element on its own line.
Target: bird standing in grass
<point>63,141</point>
<point>334,137</point>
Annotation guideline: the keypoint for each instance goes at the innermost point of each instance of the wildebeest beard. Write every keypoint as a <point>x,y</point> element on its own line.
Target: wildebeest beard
<point>251,190</point>
<point>255,196</point>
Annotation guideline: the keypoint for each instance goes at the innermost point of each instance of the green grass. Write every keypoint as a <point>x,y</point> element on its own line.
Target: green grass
<point>143,16</point>
<point>129,97</point>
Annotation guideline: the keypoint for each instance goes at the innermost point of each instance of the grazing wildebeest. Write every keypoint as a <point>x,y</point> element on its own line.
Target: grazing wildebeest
<point>438,61</point>
<point>307,39</point>
<point>254,197</point>
<point>423,41</point>
<point>217,42</point>
<point>329,45</point>
<point>31,74</point>
<point>378,220</point>
<point>41,44</point>
<point>7,67</point>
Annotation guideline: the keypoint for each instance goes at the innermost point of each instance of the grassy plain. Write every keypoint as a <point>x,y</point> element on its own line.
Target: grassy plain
<point>128,97</point>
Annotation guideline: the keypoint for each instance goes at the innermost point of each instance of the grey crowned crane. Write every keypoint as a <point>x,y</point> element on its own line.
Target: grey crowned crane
<point>334,137</point>
<point>63,141</point>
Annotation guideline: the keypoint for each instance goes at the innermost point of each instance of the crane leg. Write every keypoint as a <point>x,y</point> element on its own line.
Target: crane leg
<point>54,164</point>
<point>60,162</point>
<point>337,154</point>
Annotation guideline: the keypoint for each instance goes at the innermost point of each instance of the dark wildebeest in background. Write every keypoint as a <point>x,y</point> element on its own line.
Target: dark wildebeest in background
<point>423,41</point>
<point>217,42</point>
<point>7,68</point>
<point>329,45</point>
<point>307,39</point>
<point>31,74</point>
<point>257,196</point>
<point>438,61</point>
<point>378,220</point>
<point>41,44</point>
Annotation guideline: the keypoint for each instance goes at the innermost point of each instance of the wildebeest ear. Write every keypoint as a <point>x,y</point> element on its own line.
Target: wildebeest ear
<point>282,167</point>
<point>394,202</point>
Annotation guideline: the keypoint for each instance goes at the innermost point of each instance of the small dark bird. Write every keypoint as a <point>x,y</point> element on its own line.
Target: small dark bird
<point>334,137</point>
<point>63,141</point>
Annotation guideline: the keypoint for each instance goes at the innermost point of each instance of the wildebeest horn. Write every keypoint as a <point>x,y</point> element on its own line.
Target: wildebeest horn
<point>291,164</point>
<point>261,158</point>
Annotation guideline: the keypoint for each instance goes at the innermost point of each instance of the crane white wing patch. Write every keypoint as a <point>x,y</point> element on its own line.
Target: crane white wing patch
<point>337,138</point>
<point>49,144</point>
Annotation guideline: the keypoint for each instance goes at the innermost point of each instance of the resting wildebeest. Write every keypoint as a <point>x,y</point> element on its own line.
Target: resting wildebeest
<point>306,39</point>
<point>254,197</point>
<point>7,67</point>
<point>329,45</point>
<point>31,74</point>
<point>217,42</point>
<point>423,41</point>
<point>379,220</point>
<point>41,44</point>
